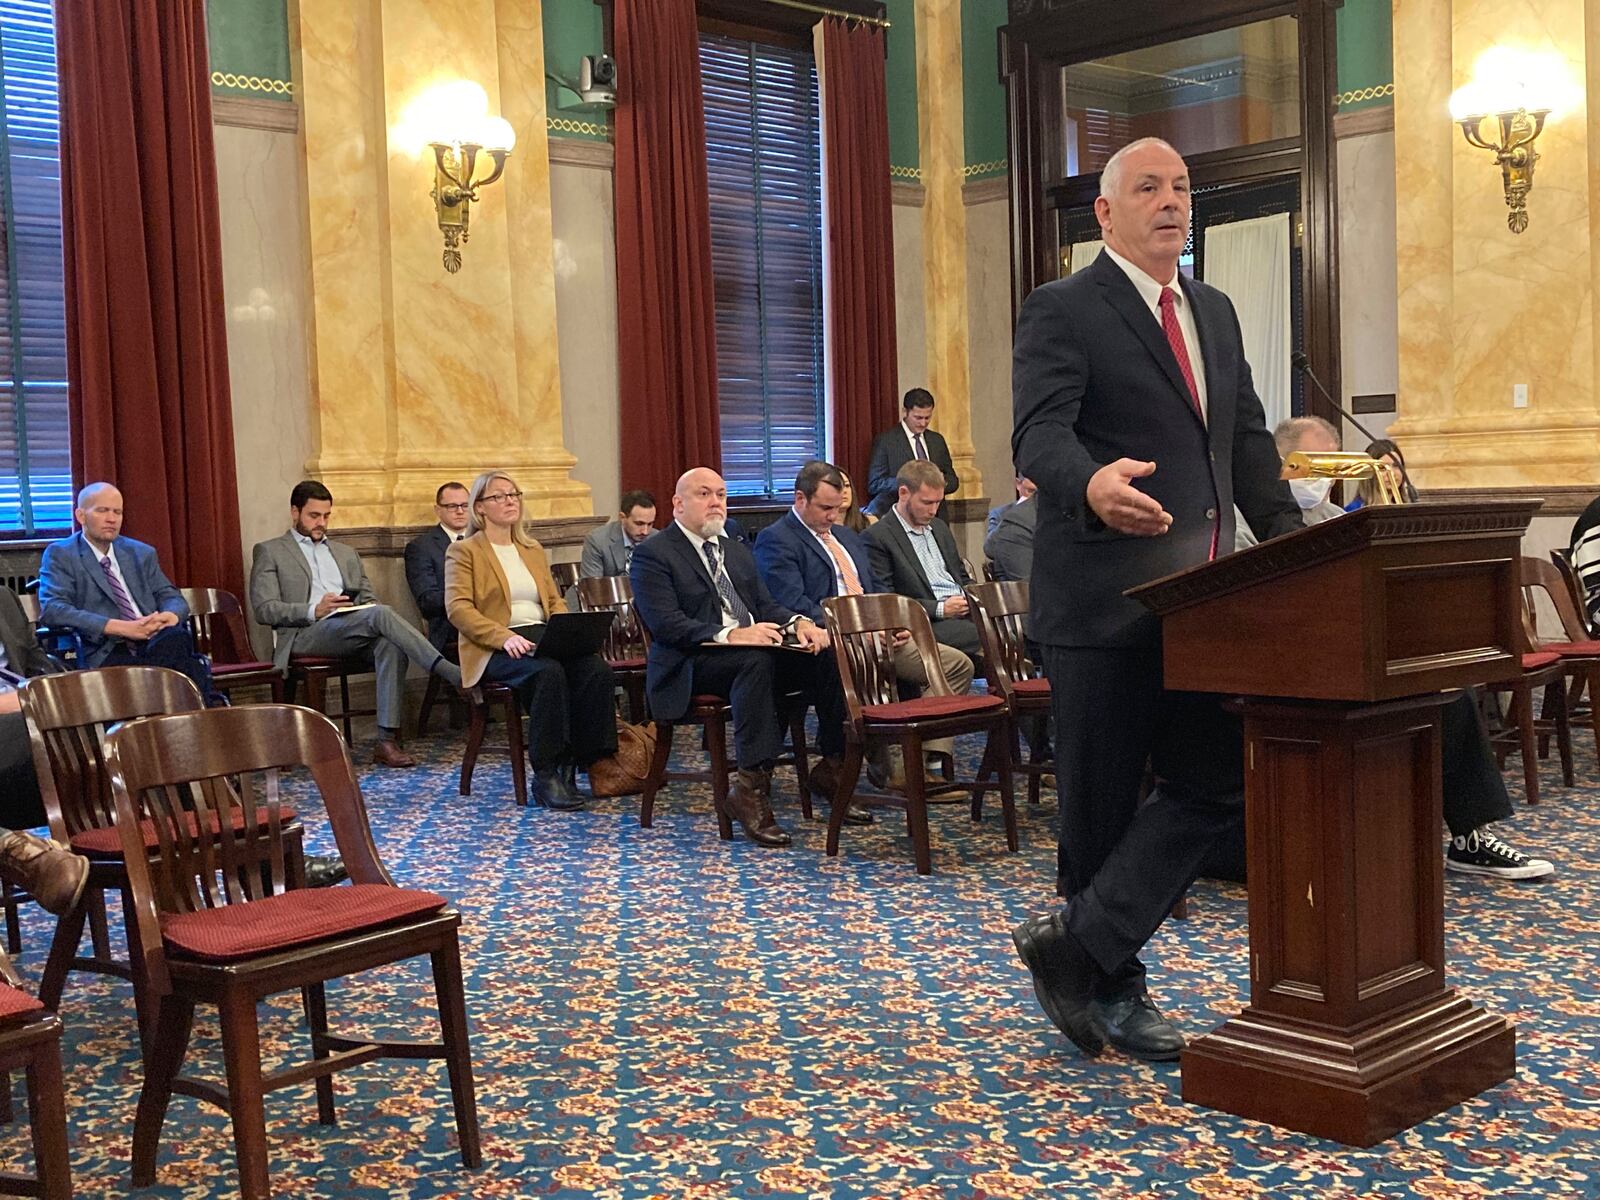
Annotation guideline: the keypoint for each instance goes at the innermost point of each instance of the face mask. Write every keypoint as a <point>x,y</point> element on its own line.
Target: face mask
<point>1309,493</point>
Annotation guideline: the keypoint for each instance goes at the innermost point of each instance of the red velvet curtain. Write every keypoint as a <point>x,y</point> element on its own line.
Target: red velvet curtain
<point>147,359</point>
<point>860,280</point>
<point>666,307</point>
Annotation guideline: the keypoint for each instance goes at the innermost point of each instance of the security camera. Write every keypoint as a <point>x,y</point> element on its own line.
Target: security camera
<point>597,79</point>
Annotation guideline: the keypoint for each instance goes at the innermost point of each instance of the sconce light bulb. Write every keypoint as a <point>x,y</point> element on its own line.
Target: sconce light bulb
<point>496,133</point>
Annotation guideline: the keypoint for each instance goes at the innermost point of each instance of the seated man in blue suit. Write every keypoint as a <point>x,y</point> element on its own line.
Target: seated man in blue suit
<point>111,591</point>
<point>715,630</point>
<point>806,557</point>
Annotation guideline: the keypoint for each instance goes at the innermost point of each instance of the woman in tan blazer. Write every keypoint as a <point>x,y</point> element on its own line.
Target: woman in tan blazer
<point>497,584</point>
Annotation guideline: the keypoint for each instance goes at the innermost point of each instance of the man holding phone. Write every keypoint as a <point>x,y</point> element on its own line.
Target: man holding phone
<point>315,596</point>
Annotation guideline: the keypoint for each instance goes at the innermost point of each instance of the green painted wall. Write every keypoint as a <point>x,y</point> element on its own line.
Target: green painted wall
<point>249,47</point>
<point>983,95</point>
<point>572,28</point>
<point>900,82</point>
<point>1366,54</point>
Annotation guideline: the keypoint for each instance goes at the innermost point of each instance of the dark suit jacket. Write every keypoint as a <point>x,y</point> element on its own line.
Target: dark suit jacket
<point>799,572</point>
<point>1009,548</point>
<point>895,563</point>
<point>678,603</point>
<point>1094,380</point>
<point>24,655</point>
<point>74,593</point>
<point>891,450</point>
<point>425,578</point>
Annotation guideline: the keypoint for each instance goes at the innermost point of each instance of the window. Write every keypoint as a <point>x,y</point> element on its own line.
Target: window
<point>35,470</point>
<point>764,161</point>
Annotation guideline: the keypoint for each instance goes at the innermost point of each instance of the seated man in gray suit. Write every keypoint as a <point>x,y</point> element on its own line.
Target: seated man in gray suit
<point>301,584</point>
<point>1025,490</point>
<point>111,592</point>
<point>1009,546</point>
<point>609,549</point>
<point>914,553</point>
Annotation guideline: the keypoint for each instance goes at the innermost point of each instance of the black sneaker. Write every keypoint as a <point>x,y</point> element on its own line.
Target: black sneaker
<point>1482,852</point>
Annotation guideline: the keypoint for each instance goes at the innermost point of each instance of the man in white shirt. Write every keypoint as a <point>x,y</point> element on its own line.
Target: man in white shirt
<point>425,563</point>
<point>910,439</point>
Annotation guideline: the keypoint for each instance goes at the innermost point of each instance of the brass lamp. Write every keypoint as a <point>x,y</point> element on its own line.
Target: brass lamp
<point>453,121</point>
<point>1341,464</point>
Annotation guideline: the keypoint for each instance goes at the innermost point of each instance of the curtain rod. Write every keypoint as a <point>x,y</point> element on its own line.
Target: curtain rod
<point>823,10</point>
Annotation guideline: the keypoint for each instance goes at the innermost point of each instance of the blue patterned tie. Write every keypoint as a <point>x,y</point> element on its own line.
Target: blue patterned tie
<point>730,598</point>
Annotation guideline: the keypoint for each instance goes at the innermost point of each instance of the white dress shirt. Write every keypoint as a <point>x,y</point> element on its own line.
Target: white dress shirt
<point>912,436</point>
<point>729,621</point>
<point>325,574</point>
<point>116,569</point>
<point>453,535</point>
<point>1150,293</point>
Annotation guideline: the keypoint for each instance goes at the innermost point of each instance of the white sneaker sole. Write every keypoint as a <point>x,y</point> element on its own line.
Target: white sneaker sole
<point>1535,868</point>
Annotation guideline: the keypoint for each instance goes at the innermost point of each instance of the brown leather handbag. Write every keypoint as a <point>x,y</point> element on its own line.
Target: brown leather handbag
<point>624,773</point>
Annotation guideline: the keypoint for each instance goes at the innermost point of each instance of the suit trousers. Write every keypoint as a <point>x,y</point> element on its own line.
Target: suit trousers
<point>21,806</point>
<point>172,647</point>
<point>392,641</point>
<point>571,718</point>
<point>757,683</point>
<point>1122,864</point>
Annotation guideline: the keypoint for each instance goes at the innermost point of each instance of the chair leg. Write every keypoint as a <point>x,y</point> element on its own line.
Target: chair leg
<point>518,749</point>
<point>457,1047</point>
<point>658,771</point>
<point>849,776</point>
<point>1591,677</point>
<point>429,695</point>
<point>1008,800</point>
<point>986,768</point>
<point>1530,759</point>
<point>279,690</point>
<point>99,932</point>
<point>241,1052</point>
<point>47,1119</point>
<point>344,707</point>
<point>173,1024</point>
<point>63,949</point>
<point>1563,720</point>
<point>145,1006</point>
<point>8,1111</point>
<point>917,804</point>
<point>9,898</point>
<point>469,760</point>
<point>314,999</point>
<point>717,750</point>
<point>802,769</point>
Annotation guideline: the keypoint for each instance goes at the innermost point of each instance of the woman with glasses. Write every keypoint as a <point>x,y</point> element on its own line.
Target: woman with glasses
<point>499,593</point>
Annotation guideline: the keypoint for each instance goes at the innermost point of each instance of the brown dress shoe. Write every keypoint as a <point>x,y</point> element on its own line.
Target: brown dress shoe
<point>823,782</point>
<point>52,874</point>
<point>387,753</point>
<point>747,804</point>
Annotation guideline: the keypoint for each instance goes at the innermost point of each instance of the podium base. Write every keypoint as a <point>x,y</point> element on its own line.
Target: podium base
<point>1358,1086</point>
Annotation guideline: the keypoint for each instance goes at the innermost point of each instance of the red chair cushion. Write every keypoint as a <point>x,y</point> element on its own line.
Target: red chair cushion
<point>294,918</point>
<point>15,1003</point>
<point>107,843</point>
<point>1573,649</point>
<point>625,664</point>
<point>925,707</point>
<point>318,660</point>
<point>1533,662</point>
<point>240,668</point>
<point>707,702</point>
<point>1031,687</point>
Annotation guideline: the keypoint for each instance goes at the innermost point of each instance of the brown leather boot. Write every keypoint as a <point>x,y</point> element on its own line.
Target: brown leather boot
<point>747,804</point>
<point>52,874</point>
<point>387,753</point>
<point>823,781</point>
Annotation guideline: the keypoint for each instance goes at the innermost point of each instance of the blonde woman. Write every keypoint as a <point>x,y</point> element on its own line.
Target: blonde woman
<point>498,590</point>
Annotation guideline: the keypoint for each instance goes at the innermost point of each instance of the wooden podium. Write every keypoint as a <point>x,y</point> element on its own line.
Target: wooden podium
<point>1341,638</point>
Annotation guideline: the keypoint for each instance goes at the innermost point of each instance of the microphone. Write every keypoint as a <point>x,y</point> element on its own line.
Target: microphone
<point>1302,363</point>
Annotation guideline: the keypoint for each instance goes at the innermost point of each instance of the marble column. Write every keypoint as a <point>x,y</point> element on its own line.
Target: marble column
<point>418,375</point>
<point>940,136</point>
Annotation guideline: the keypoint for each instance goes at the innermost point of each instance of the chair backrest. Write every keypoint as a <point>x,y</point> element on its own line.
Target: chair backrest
<point>565,574</point>
<point>1562,559</point>
<point>628,637</point>
<point>185,777</point>
<point>1541,576</point>
<point>67,717</point>
<point>1000,610</point>
<point>966,565</point>
<point>217,619</point>
<point>861,628</point>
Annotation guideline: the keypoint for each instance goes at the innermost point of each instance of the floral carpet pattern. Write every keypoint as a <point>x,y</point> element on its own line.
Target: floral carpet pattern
<point>658,1013</point>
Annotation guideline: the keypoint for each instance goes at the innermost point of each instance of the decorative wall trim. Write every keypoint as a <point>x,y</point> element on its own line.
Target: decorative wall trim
<point>580,152</point>
<point>907,194</point>
<point>389,541</point>
<point>984,168</point>
<point>247,112</point>
<point>1377,119</point>
<point>1361,95</point>
<point>252,83</point>
<point>912,173</point>
<point>981,191</point>
<point>1563,501</point>
<point>567,125</point>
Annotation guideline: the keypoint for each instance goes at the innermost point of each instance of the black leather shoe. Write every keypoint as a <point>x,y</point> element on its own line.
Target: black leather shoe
<point>551,790</point>
<point>324,870</point>
<point>1135,1026</point>
<point>1063,979</point>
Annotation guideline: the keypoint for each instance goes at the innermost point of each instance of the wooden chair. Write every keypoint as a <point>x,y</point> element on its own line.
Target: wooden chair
<point>1562,560</point>
<point>999,610</point>
<point>314,671</point>
<point>67,717</point>
<point>217,619</point>
<point>1541,670</point>
<point>627,646</point>
<point>220,924</point>
<point>859,626</point>
<point>61,644</point>
<point>565,574</point>
<point>479,699</point>
<point>1579,650</point>
<point>30,1040</point>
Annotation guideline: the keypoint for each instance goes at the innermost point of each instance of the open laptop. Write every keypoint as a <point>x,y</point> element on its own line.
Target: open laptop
<point>569,634</point>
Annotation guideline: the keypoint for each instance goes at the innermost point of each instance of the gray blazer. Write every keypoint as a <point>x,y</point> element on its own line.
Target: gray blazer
<point>1010,547</point>
<point>280,588</point>
<point>605,552</point>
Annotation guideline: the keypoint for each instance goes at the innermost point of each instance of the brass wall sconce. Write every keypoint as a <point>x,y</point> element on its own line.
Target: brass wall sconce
<point>1513,151</point>
<point>455,189</point>
<point>452,120</point>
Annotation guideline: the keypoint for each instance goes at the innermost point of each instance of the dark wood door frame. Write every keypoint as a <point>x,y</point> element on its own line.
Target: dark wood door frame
<point>1045,35</point>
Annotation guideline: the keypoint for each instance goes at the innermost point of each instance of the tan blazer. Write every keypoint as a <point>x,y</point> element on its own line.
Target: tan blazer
<point>477,598</point>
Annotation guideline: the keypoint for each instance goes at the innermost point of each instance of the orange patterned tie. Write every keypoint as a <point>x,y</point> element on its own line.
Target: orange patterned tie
<point>847,569</point>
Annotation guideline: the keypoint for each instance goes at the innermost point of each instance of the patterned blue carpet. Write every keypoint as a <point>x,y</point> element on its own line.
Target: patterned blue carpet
<point>656,1013</point>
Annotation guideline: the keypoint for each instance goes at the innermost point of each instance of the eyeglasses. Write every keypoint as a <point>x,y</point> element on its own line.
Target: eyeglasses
<point>455,507</point>
<point>496,497</point>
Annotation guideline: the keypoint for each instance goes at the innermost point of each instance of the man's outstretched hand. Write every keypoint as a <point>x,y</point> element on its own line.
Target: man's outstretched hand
<point>1122,506</point>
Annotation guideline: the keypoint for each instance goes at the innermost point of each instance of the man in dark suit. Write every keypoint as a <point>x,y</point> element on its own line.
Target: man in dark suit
<point>715,630</point>
<point>914,554</point>
<point>21,657</point>
<point>1136,416</point>
<point>1025,491</point>
<point>112,593</point>
<point>425,564</point>
<point>609,549</point>
<point>909,439</point>
<point>1009,546</point>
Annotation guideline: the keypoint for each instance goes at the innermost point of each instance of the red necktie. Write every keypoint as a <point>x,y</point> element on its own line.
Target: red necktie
<point>1180,351</point>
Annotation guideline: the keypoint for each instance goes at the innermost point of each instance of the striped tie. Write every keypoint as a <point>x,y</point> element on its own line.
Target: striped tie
<point>730,598</point>
<point>841,560</point>
<point>124,601</point>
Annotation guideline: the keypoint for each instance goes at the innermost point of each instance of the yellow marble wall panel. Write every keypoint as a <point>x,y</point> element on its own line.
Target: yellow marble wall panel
<point>940,119</point>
